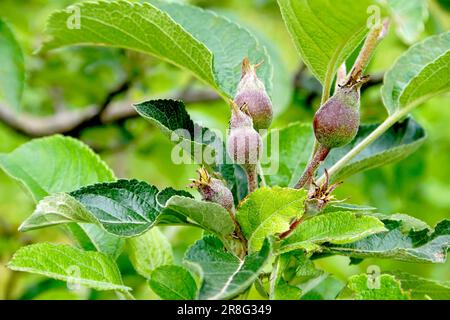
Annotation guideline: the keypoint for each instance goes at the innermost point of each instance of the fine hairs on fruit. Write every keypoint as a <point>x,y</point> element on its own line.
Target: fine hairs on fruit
<point>252,92</point>
<point>244,144</point>
<point>213,190</point>
<point>336,123</point>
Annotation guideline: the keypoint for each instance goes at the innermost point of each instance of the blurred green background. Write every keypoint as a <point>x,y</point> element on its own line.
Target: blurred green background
<point>74,78</point>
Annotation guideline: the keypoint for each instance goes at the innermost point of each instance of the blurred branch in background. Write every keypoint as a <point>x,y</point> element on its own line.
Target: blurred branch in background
<point>73,122</point>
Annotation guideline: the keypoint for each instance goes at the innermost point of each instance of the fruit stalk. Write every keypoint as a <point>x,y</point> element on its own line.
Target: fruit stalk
<point>307,176</point>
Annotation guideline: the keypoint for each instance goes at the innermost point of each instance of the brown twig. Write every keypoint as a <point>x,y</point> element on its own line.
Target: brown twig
<point>73,122</point>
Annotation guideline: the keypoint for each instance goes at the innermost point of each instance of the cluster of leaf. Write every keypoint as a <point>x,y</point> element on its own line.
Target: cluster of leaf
<point>75,189</point>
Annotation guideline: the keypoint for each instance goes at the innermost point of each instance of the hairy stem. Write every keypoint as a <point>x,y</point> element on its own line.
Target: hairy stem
<point>320,154</point>
<point>341,75</point>
<point>252,177</point>
<point>292,227</point>
<point>374,37</point>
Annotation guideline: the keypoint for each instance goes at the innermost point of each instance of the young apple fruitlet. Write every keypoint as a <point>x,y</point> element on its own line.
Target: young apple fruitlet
<point>213,190</point>
<point>252,92</point>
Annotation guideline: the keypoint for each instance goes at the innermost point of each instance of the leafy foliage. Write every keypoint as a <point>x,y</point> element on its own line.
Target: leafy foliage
<point>63,262</point>
<point>335,227</point>
<point>274,235</point>
<point>168,36</point>
<point>173,283</point>
<point>414,246</point>
<point>223,274</point>
<point>397,143</point>
<point>149,251</point>
<point>55,164</point>
<point>228,41</point>
<point>12,72</point>
<point>269,211</point>
<point>325,46</point>
<point>384,288</point>
<point>409,17</point>
<point>428,65</point>
<point>203,145</point>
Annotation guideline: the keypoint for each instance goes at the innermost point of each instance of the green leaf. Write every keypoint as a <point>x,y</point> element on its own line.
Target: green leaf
<point>209,46</point>
<point>291,270</point>
<point>172,119</point>
<point>173,283</point>
<point>384,288</point>
<point>128,208</point>
<point>423,289</point>
<point>406,222</point>
<point>210,216</point>
<point>268,211</point>
<point>420,73</point>
<point>66,263</point>
<point>409,17</point>
<point>149,251</point>
<point>57,209</point>
<point>334,227</point>
<point>228,41</point>
<point>415,246</point>
<point>124,208</point>
<point>92,237</point>
<point>202,144</point>
<point>294,145</point>
<point>325,33</point>
<point>327,288</point>
<point>12,69</point>
<point>55,164</point>
<point>224,276</point>
<point>136,26</point>
<point>401,140</point>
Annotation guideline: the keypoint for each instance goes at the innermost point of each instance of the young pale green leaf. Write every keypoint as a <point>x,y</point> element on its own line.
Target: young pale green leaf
<point>325,33</point>
<point>397,143</point>
<point>224,276</point>
<point>268,211</point>
<point>334,227</point>
<point>55,164</point>
<point>202,144</point>
<point>149,251</point>
<point>57,209</point>
<point>228,41</point>
<point>420,73</point>
<point>12,69</point>
<point>423,246</point>
<point>210,216</point>
<point>292,269</point>
<point>61,208</point>
<point>92,237</point>
<point>423,289</point>
<point>409,17</point>
<point>294,145</point>
<point>66,263</point>
<point>173,283</point>
<point>381,287</point>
